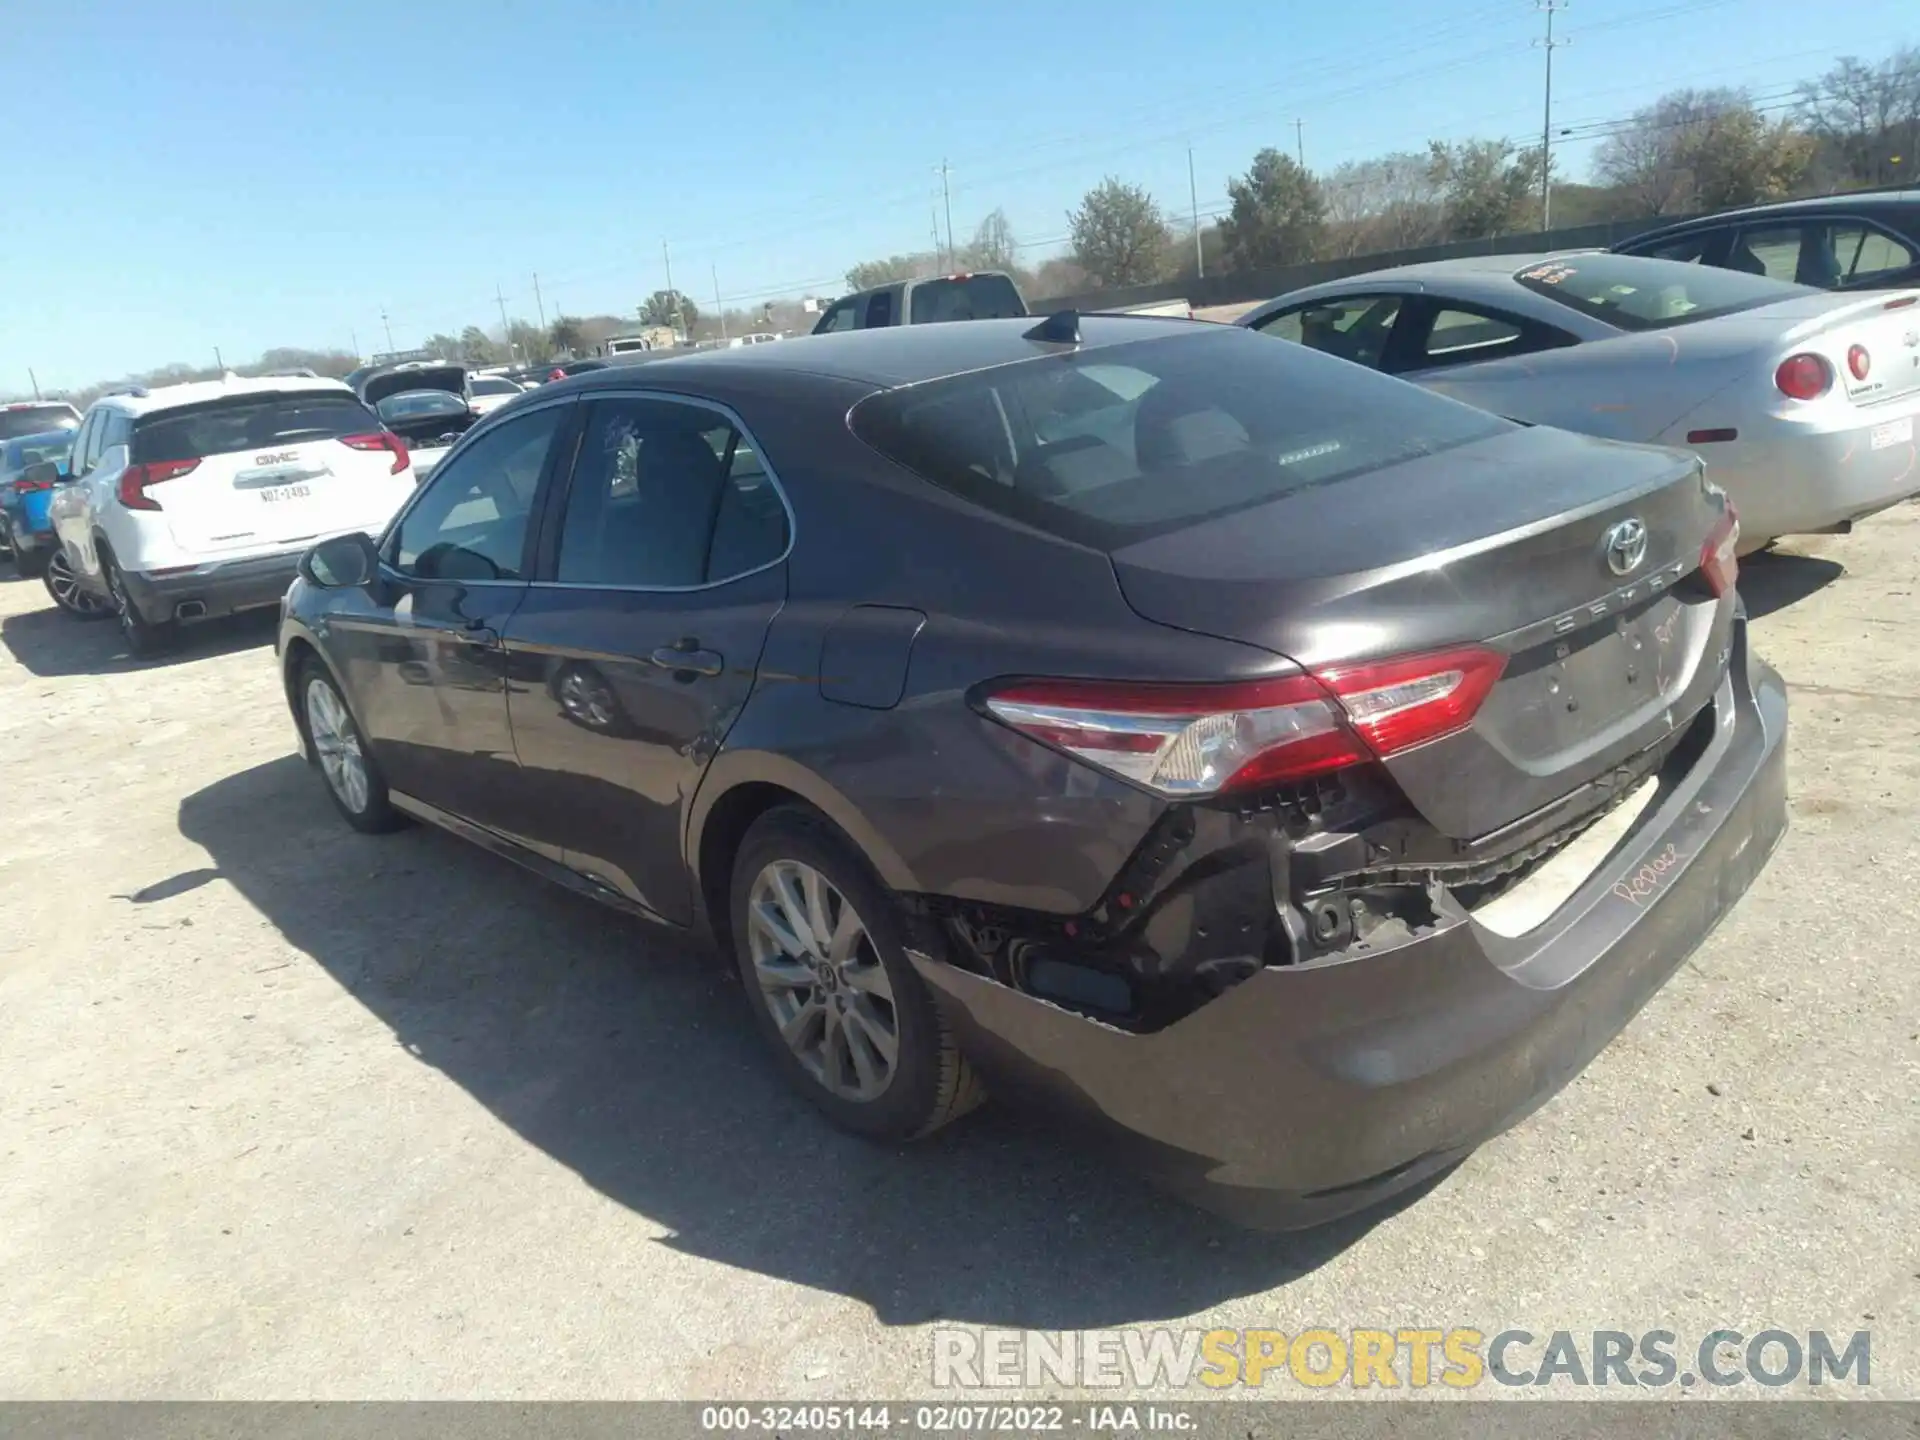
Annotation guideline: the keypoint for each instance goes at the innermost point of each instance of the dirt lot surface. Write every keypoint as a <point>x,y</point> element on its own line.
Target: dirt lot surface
<point>292,1112</point>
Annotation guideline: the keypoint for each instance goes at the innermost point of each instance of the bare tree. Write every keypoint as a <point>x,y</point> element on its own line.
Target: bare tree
<point>1868,117</point>
<point>993,246</point>
<point>1389,203</point>
<point>1703,150</point>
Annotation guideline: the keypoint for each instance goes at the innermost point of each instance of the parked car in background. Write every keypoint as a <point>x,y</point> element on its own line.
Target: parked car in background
<point>490,392</point>
<point>1869,240</point>
<point>29,469</point>
<point>981,295</point>
<point>193,501</point>
<point>1802,404</point>
<point>35,417</point>
<point>428,404</point>
<point>1297,774</point>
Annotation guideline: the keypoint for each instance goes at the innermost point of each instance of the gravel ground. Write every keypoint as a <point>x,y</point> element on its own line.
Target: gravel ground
<point>292,1112</point>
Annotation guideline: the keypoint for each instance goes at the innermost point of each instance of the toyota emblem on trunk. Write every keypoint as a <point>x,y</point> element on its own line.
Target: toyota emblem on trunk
<point>1625,546</point>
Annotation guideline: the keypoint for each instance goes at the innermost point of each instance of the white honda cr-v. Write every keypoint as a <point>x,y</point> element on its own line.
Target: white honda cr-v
<point>192,501</point>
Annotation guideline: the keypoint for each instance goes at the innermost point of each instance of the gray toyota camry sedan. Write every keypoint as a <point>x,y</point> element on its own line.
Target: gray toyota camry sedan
<point>1292,775</point>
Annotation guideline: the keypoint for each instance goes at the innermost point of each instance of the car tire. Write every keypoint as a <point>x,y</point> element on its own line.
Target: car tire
<point>144,637</point>
<point>65,591</point>
<point>832,1012</point>
<point>352,778</point>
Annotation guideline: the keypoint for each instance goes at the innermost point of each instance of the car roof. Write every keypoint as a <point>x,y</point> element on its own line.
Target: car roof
<point>1892,198</point>
<point>138,400</point>
<point>886,357</point>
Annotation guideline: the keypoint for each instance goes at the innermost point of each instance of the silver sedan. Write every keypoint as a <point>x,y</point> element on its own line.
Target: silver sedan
<point>1802,403</point>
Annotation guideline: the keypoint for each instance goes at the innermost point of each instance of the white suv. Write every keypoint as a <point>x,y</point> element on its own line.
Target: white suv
<point>192,501</point>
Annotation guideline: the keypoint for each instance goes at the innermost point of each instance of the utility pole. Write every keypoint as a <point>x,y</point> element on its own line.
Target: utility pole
<point>672,294</point>
<point>354,335</point>
<point>36,382</point>
<point>1193,199</point>
<point>719,310</point>
<point>1300,142</point>
<point>219,364</point>
<point>506,330</point>
<point>933,210</point>
<point>1549,8</point>
<point>539,304</point>
<point>946,196</point>
<point>389,328</point>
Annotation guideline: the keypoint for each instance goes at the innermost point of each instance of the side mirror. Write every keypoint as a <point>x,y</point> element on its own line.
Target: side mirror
<point>42,473</point>
<point>342,562</point>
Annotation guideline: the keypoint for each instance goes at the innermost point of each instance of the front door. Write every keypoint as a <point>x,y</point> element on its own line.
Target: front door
<point>631,662</point>
<point>423,651</point>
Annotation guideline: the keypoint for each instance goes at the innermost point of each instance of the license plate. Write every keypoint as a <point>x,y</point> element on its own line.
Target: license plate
<point>1894,432</point>
<point>286,492</point>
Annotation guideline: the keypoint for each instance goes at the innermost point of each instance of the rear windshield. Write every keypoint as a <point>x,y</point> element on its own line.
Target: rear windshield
<point>411,404</point>
<point>33,419</point>
<point>31,449</point>
<point>1636,292</point>
<point>1118,444</point>
<point>249,422</point>
<point>977,297</point>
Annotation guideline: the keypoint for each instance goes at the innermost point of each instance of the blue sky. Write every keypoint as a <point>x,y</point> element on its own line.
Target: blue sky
<point>210,173</point>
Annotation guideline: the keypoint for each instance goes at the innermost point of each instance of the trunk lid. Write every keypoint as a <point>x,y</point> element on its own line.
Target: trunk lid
<point>1886,326</point>
<point>415,376</point>
<point>1504,542</point>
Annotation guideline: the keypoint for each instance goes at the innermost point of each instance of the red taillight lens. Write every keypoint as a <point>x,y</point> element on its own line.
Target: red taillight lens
<point>557,375</point>
<point>1197,740</point>
<point>136,480</point>
<point>27,487</point>
<point>381,440</point>
<point>1859,361</point>
<point>1803,377</point>
<point>1719,562</point>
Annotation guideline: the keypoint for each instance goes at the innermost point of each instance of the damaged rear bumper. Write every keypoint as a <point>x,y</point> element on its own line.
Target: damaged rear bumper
<point>1309,1091</point>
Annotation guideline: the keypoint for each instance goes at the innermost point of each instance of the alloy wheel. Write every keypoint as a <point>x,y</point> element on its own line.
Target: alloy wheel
<point>822,980</point>
<point>337,744</point>
<point>66,590</point>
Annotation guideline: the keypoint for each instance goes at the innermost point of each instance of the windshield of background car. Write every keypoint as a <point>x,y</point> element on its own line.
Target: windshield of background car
<point>34,419</point>
<point>55,445</point>
<point>249,422</point>
<point>414,404</point>
<point>1114,445</point>
<point>1633,292</point>
<point>976,297</point>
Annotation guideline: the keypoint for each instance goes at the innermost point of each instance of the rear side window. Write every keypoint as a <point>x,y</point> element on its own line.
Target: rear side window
<point>249,422</point>
<point>1122,443</point>
<point>16,421</point>
<point>1688,249</point>
<point>1631,292</point>
<point>667,496</point>
<point>1864,255</point>
<point>880,310</point>
<point>972,297</point>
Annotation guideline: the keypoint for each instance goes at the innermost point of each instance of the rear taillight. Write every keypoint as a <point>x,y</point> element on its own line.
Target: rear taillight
<point>136,480</point>
<point>1198,740</point>
<point>1859,362</point>
<point>1803,377</point>
<point>556,375</point>
<point>381,440</point>
<point>1719,562</point>
<point>27,487</point>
